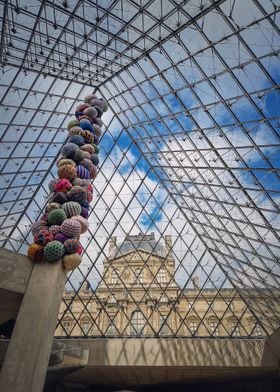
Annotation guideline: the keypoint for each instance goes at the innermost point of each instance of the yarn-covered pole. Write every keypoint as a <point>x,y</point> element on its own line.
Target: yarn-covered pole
<point>57,232</point>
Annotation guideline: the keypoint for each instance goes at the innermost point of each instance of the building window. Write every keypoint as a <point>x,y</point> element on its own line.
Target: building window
<point>214,328</point>
<point>161,276</point>
<point>86,327</point>
<point>137,323</point>
<point>138,275</point>
<point>193,327</point>
<point>114,276</point>
<point>235,330</point>
<point>257,330</point>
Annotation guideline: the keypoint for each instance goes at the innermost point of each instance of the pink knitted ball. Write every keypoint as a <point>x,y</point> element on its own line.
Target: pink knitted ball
<point>82,106</point>
<point>63,185</point>
<point>83,222</point>
<point>89,194</point>
<point>54,229</point>
<point>71,228</point>
<point>80,250</point>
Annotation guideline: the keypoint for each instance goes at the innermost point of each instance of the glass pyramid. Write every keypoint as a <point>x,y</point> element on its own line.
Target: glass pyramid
<point>190,152</point>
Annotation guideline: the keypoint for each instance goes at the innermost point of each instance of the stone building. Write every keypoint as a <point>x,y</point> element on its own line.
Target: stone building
<point>138,296</point>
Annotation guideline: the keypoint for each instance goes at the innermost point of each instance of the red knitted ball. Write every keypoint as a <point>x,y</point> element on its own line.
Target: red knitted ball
<point>63,185</point>
<point>43,237</point>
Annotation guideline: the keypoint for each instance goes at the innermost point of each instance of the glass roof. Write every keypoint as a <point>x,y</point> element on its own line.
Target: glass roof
<point>191,147</point>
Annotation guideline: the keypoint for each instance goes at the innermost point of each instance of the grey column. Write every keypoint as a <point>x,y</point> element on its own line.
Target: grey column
<point>26,361</point>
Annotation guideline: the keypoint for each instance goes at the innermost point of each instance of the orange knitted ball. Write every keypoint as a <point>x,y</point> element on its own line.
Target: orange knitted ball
<point>67,171</point>
<point>35,252</point>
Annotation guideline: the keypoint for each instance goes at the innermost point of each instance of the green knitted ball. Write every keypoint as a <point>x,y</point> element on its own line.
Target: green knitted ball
<point>57,216</point>
<point>54,251</point>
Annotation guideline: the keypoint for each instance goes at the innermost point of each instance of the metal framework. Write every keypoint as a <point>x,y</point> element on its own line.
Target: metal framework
<point>191,147</point>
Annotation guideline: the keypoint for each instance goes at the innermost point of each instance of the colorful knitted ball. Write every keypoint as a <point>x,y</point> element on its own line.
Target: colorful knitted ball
<point>57,216</point>
<point>82,172</point>
<point>88,136</point>
<point>91,112</point>
<point>67,171</point>
<point>85,204</point>
<point>66,161</point>
<point>71,245</point>
<point>45,218</point>
<point>94,159</point>
<point>71,228</point>
<point>77,193</point>
<point>83,222</point>
<point>43,237</point>
<point>63,185</point>
<point>35,252</point>
<point>97,130</point>
<point>59,197</point>
<point>68,150</point>
<point>88,148</point>
<point>85,117</point>
<point>54,251</point>
<point>93,172</point>
<point>96,149</point>
<point>86,155</point>
<point>72,123</point>
<point>89,196</point>
<point>105,105</point>
<point>38,226</point>
<point>60,237</point>
<point>52,206</point>
<point>87,164</point>
<point>96,103</point>
<point>72,208</point>
<point>85,213</point>
<point>72,261</point>
<point>54,229</point>
<point>78,114</point>
<point>82,106</point>
<point>52,184</point>
<point>81,182</point>
<point>80,250</point>
<point>75,131</point>
<point>89,97</point>
<point>86,125</point>
<point>78,156</point>
<point>99,111</point>
<point>76,139</point>
<point>97,121</point>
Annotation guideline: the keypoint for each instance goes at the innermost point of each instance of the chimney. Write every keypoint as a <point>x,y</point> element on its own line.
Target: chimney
<point>195,281</point>
<point>168,245</point>
<point>112,243</point>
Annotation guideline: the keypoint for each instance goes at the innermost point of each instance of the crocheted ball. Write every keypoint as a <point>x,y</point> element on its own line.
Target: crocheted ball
<point>38,226</point>
<point>88,148</point>
<point>85,213</point>
<point>86,125</point>
<point>97,121</point>
<point>89,196</point>
<point>65,161</point>
<point>70,262</point>
<point>54,251</point>
<point>71,245</point>
<point>99,111</point>
<point>96,148</point>
<point>76,139</point>
<point>97,130</point>
<point>75,131</point>
<point>89,97</point>
<point>57,216</point>
<point>52,206</point>
<point>43,237</point>
<point>63,185</point>
<point>59,197</point>
<point>80,250</point>
<point>72,208</point>
<point>83,222</point>
<point>52,184</point>
<point>82,172</point>
<point>82,106</point>
<point>91,112</point>
<point>88,136</point>
<point>72,123</point>
<point>71,228</point>
<point>78,156</point>
<point>84,117</point>
<point>68,150</point>
<point>94,159</point>
<point>54,229</point>
<point>81,182</point>
<point>85,204</point>
<point>87,164</point>
<point>61,237</point>
<point>77,193</point>
<point>45,218</point>
<point>67,171</point>
<point>93,172</point>
<point>35,252</point>
<point>96,103</point>
<point>105,105</point>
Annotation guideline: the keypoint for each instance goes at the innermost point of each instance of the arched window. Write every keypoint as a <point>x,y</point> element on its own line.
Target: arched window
<point>138,275</point>
<point>161,276</point>
<point>114,276</point>
<point>137,323</point>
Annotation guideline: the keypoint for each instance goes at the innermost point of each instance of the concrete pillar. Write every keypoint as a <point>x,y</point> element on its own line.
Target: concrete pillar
<point>26,361</point>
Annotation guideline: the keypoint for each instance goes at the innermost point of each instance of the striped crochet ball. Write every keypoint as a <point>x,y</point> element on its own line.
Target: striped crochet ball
<point>72,261</point>
<point>54,251</point>
<point>88,148</point>
<point>82,172</point>
<point>72,208</point>
<point>68,172</point>
<point>38,226</point>
<point>57,216</point>
<point>52,206</point>
<point>71,228</point>
<point>35,252</point>
<point>91,112</point>
<point>54,229</point>
<point>63,185</point>
<point>83,222</point>
<point>77,193</point>
<point>43,237</point>
<point>68,150</point>
<point>71,245</point>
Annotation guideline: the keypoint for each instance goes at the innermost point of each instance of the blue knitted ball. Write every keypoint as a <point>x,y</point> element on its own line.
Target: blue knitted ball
<point>86,125</point>
<point>68,150</point>
<point>76,139</point>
